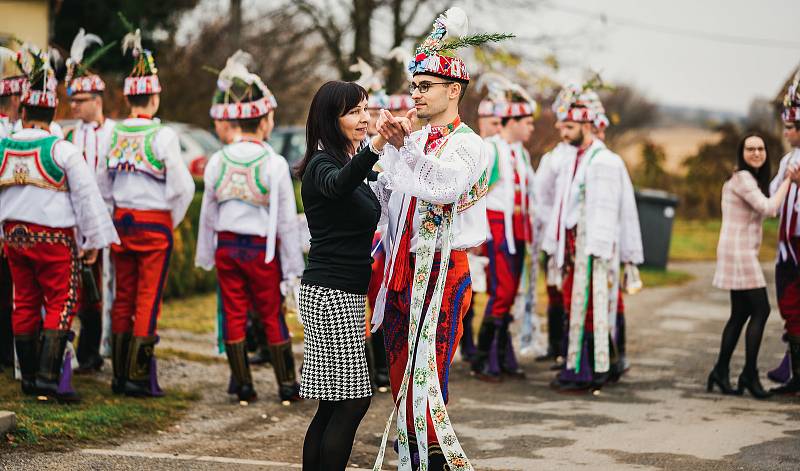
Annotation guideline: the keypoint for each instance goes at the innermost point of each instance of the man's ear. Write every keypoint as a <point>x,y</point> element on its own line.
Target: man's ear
<point>455,92</point>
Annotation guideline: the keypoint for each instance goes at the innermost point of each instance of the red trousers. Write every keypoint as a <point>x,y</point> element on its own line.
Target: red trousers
<point>504,270</point>
<point>455,302</point>
<point>140,261</point>
<point>787,284</point>
<point>44,266</point>
<point>246,280</point>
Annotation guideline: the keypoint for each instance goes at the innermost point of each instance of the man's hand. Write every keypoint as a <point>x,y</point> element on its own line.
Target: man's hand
<point>90,256</point>
<point>394,130</point>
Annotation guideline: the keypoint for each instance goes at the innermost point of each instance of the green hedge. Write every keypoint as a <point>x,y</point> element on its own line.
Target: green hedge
<point>184,278</point>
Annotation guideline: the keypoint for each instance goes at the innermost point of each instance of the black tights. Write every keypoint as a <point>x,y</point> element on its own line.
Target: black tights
<point>330,434</point>
<point>752,303</point>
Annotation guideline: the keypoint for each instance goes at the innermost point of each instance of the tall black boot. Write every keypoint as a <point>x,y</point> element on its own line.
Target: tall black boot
<point>257,340</point>
<point>483,366</point>
<point>28,355</point>
<point>54,377</point>
<point>283,364</point>
<point>793,386</point>
<point>505,347</point>
<point>120,346</point>
<point>381,362</point>
<point>142,373</point>
<point>241,379</point>
<point>368,352</point>
<point>555,332</point>
<point>88,351</point>
<point>467,344</point>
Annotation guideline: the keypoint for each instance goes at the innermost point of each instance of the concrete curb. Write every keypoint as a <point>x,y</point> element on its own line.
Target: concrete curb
<point>8,421</point>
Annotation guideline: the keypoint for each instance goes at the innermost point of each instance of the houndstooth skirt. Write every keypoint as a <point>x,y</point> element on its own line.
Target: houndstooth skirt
<point>334,359</point>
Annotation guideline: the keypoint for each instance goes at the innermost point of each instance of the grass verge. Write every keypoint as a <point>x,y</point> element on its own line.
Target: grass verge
<point>100,417</point>
<point>697,240</point>
<point>653,278</point>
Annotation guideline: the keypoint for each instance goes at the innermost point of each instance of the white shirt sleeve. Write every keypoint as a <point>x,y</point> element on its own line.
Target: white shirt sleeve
<point>206,235</point>
<point>93,220</point>
<point>179,182</point>
<point>383,191</point>
<point>438,180</point>
<point>290,247</point>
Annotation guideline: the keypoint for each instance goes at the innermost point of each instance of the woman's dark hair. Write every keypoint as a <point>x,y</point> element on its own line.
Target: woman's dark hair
<point>761,174</point>
<point>332,101</point>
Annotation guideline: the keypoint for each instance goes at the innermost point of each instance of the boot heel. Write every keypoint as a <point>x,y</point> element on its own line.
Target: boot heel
<point>710,383</point>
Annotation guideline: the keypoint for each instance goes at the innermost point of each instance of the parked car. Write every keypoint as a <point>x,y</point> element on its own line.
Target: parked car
<point>197,145</point>
<point>290,142</point>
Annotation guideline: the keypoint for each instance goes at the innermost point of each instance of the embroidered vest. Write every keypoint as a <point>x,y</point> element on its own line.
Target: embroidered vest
<point>480,188</point>
<point>31,163</point>
<point>132,151</point>
<point>240,179</point>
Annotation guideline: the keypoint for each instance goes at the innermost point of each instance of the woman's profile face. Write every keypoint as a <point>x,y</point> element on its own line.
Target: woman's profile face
<point>354,123</point>
<point>755,152</point>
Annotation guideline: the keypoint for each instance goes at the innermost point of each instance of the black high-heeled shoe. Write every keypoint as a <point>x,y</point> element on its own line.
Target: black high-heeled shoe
<point>752,384</point>
<point>723,382</point>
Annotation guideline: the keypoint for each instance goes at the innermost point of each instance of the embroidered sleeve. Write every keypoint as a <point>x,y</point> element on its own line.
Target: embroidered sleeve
<point>209,211</point>
<point>631,249</point>
<point>382,187</point>
<point>290,245</point>
<point>94,221</point>
<point>439,180</point>
<point>179,183</point>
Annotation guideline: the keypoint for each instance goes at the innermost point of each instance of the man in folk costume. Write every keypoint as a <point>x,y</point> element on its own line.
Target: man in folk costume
<point>149,187</point>
<point>10,91</point>
<point>248,228</point>
<point>91,135</point>
<point>787,269</point>
<point>488,121</point>
<point>432,190</point>
<point>52,216</point>
<point>594,227</point>
<point>508,209</point>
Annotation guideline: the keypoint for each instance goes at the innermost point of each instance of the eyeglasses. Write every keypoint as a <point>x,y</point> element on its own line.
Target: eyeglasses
<point>424,86</point>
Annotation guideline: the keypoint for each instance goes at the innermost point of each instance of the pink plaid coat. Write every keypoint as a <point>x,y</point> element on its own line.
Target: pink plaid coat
<point>744,208</point>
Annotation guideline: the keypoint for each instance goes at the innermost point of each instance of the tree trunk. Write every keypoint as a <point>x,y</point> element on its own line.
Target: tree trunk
<point>236,24</point>
<point>362,33</point>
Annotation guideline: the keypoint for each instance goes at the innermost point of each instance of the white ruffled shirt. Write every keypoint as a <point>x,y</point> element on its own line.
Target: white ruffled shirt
<point>408,172</point>
<point>8,128</point>
<point>501,193</point>
<point>94,141</point>
<point>545,183</point>
<point>135,191</point>
<point>612,221</point>
<point>279,222</point>
<point>81,207</point>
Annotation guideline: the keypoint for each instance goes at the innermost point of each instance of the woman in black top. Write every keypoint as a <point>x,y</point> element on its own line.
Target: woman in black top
<point>342,214</point>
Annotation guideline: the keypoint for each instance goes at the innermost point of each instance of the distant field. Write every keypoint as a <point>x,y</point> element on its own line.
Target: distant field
<point>697,240</point>
<point>678,144</point>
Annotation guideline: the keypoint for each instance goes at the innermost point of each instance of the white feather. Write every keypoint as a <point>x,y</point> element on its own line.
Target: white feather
<point>236,68</point>
<point>80,43</point>
<point>366,74</point>
<point>132,41</point>
<point>456,22</point>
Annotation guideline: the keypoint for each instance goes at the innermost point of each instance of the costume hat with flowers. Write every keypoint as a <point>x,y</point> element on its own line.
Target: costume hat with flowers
<point>79,79</point>
<point>791,102</point>
<point>581,103</point>
<point>143,79</point>
<point>10,84</point>
<point>436,55</point>
<point>240,94</point>
<point>506,98</point>
<point>39,88</point>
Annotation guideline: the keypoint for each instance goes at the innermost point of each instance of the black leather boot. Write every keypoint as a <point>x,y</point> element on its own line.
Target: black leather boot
<point>88,351</point>
<point>751,382</point>
<point>381,362</point>
<point>242,380</point>
<point>793,386</point>
<point>120,346</point>
<point>721,379</point>
<point>480,365</point>
<point>142,378</point>
<point>28,356</point>
<point>283,364</point>
<point>54,377</point>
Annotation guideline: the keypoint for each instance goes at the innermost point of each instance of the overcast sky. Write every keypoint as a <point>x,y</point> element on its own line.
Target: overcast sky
<point>716,54</point>
<point>684,69</point>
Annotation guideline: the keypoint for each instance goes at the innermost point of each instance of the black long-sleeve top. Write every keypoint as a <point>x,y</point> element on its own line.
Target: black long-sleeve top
<point>342,213</point>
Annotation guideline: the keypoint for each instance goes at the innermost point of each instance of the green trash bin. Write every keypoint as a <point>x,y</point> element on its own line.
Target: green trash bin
<point>656,214</point>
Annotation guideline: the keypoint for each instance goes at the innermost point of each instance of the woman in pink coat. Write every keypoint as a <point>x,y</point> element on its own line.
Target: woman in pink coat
<point>745,205</point>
